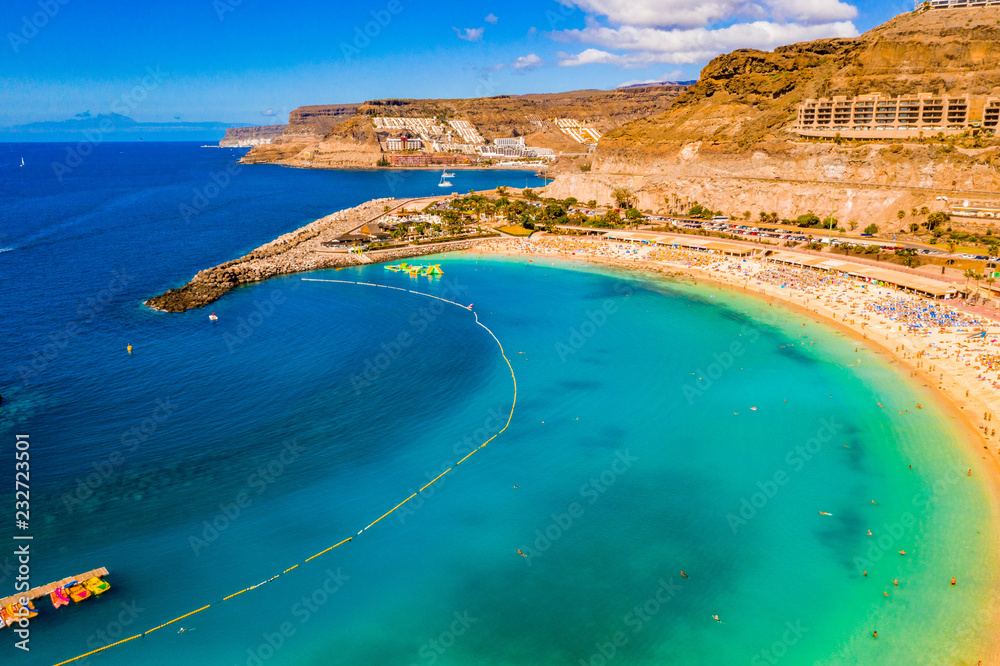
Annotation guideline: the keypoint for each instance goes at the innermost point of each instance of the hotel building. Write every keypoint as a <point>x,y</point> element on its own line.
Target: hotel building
<point>876,116</point>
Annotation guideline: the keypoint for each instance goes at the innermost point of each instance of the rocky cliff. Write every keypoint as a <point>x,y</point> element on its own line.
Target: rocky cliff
<point>726,144</point>
<point>342,136</point>
<point>247,137</point>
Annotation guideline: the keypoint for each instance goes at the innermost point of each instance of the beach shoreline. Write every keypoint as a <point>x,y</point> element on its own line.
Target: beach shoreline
<point>948,389</point>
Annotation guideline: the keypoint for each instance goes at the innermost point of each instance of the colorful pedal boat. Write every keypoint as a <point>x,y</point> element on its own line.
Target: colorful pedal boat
<point>16,611</point>
<point>77,592</point>
<point>96,586</point>
<point>59,597</point>
<point>5,619</point>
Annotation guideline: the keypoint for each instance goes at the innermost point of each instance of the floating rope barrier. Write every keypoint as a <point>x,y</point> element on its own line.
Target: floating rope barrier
<point>106,647</point>
<point>371,524</point>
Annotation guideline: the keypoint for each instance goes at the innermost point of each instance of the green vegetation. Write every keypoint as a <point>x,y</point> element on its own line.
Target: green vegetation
<point>697,210</point>
<point>909,257</point>
<point>624,198</point>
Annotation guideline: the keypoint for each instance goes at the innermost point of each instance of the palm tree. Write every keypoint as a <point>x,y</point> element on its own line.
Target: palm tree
<point>623,197</point>
<point>969,274</point>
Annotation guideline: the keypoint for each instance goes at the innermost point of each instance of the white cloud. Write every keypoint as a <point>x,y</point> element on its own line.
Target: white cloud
<point>470,34</point>
<point>527,63</point>
<point>692,13</point>
<point>651,46</point>
<point>491,18</point>
<point>268,112</point>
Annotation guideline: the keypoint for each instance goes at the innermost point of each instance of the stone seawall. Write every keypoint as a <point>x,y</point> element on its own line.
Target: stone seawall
<point>296,252</point>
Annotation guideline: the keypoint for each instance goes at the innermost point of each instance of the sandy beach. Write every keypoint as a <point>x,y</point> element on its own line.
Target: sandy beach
<point>932,346</point>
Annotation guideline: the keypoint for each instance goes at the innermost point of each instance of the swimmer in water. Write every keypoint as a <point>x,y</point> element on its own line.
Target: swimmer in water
<point>521,553</point>
<point>716,618</point>
<point>685,576</point>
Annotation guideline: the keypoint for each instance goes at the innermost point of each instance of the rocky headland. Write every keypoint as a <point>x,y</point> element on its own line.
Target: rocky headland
<point>296,252</point>
<point>726,142</point>
<point>249,137</point>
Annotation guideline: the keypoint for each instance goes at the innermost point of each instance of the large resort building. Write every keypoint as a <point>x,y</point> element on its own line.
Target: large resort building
<point>876,116</point>
<point>952,4</point>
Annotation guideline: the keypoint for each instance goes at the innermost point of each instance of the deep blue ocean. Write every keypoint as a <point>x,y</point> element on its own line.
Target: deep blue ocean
<point>217,455</point>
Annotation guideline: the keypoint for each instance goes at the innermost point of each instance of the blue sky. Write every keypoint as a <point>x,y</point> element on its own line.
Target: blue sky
<point>252,61</point>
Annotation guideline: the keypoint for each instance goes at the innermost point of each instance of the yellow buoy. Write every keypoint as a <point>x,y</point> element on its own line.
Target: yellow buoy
<point>130,349</point>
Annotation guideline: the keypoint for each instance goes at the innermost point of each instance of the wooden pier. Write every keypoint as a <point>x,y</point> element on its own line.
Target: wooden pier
<point>45,590</point>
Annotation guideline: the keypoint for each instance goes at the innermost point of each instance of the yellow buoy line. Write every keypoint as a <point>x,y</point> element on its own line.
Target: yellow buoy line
<point>371,524</point>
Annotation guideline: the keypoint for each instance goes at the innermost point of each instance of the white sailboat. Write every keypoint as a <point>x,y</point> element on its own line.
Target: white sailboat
<point>444,179</point>
<point>445,174</point>
<point>22,161</point>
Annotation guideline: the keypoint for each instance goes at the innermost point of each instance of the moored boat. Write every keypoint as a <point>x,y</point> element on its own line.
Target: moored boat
<point>77,592</point>
<point>97,586</point>
<point>16,611</point>
<point>59,597</point>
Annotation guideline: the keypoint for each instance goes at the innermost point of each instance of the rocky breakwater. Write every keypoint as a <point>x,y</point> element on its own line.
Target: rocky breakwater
<point>294,252</point>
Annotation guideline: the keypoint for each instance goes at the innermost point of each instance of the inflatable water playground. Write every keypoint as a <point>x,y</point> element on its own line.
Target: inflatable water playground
<point>416,269</point>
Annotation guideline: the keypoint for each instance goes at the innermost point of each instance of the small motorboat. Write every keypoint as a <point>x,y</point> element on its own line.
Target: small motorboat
<point>97,586</point>
<point>59,597</point>
<point>77,592</point>
<point>213,317</point>
<point>5,619</point>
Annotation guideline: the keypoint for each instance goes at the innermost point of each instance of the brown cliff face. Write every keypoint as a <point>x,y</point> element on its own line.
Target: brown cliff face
<point>245,137</point>
<point>725,142</point>
<point>748,97</point>
<point>342,136</point>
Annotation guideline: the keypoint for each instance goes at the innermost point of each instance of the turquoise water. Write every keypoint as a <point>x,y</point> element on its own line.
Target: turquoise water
<point>218,455</point>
